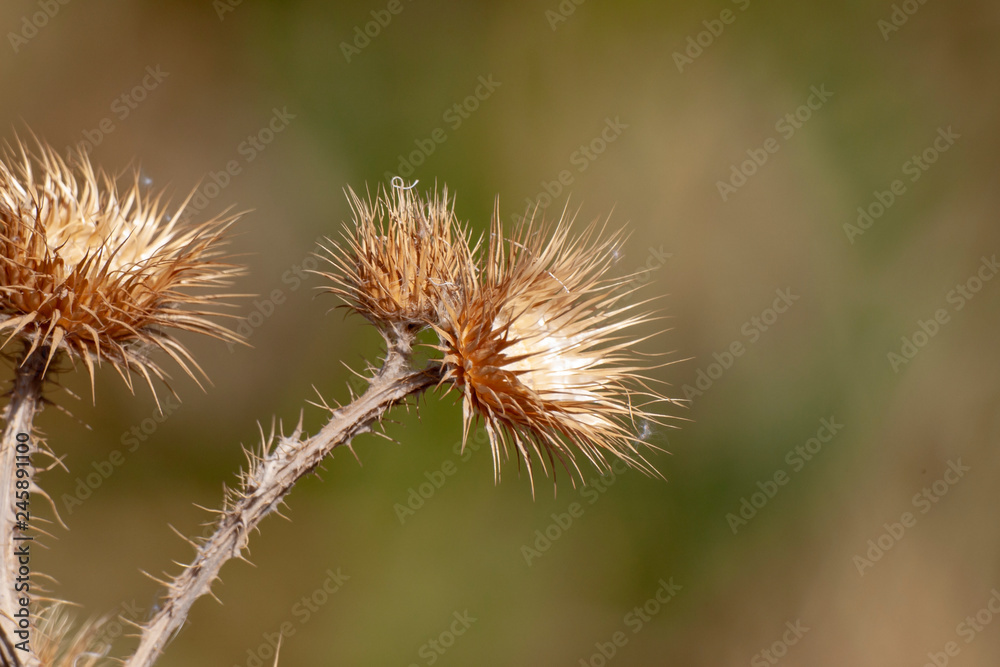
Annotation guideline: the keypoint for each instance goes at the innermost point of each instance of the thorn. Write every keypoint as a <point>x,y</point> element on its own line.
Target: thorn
<point>156,579</point>
<point>212,511</point>
<point>350,446</point>
<point>182,536</point>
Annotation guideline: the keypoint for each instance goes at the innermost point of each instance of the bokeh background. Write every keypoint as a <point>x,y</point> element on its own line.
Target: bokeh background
<point>560,74</point>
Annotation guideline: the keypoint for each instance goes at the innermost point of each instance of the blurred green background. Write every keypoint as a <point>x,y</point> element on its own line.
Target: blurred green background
<point>561,74</point>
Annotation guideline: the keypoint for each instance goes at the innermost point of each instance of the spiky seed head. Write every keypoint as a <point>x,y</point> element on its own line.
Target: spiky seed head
<point>101,273</point>
<point>64,642</point>
<point>400,258</point>
<point>542,348</point>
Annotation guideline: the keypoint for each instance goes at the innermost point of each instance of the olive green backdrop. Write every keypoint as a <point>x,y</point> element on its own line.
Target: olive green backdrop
<point>672,117</point>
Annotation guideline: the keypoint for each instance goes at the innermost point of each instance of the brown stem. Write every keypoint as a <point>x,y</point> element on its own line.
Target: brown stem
<point>265,485</point>
<point>25,399</point>
<point>8,654</point>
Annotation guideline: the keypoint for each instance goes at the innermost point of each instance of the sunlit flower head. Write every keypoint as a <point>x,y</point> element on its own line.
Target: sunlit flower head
<point>542,346</point>
<point>99,273</point>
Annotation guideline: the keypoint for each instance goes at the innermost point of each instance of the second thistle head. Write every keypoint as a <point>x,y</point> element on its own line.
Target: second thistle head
<point>543,349</point>
<point>401,259</point>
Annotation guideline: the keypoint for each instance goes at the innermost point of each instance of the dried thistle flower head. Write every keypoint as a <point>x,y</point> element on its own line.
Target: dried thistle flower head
<point>541,346</point>
<point>101,274</point>
<point>62,642</point>
<point>400,258</point>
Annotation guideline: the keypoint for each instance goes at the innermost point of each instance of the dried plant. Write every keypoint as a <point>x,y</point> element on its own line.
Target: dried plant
<point>532,331</point>
<point>89,273</point>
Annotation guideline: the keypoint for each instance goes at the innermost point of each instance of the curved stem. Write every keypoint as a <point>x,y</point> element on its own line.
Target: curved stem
<point>25,399</point>
<point>8,654</point>
<point>270,478</point>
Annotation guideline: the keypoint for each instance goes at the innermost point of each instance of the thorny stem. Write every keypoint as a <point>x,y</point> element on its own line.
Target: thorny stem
<point>271,477</point>
<point>25,399</point>
<point>8,654</point>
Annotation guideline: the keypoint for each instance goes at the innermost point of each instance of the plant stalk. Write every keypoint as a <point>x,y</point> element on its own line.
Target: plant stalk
<point>25,400</point>
<point>270,478</point>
